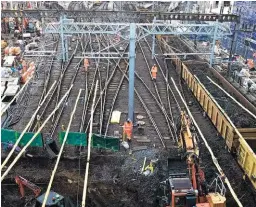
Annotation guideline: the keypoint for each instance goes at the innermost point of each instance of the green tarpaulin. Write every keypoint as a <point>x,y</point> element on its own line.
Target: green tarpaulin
<point>74,138</point>
<point>12,136</point>
<point>111,143</point>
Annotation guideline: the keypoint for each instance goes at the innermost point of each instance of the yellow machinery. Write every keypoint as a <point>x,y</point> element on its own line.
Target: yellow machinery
<point>189,189</point>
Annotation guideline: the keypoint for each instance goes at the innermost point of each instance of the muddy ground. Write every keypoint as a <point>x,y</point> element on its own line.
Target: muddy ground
<point>114,179</point>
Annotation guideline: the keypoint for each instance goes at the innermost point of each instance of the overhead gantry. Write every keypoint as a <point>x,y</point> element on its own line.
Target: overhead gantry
<point>132,32</point>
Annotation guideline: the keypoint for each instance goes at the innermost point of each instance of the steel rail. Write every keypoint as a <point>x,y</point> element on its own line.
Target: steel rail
<point>106,85</point>
<point>62,77</point>
<point>100,85</point>
<point>48,74</point>
<point>91,89</point>
<point>114,100</point>
<point>146,109</point>
<point>168,120</point>
<point>148,113</point>
<point>104,95</point>
<point>178,105</point>
<point>158,103</point>
<point>63,105</point>
<point>168,94</point>
<point>214,159</point>
<point>61,150</point>
<point>86,89</point>
<point>118,87</point>
<point>32,139</point>
<point>56,86</point>
<point>169,89</point>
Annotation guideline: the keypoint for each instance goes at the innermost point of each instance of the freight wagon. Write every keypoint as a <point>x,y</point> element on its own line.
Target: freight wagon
<point>241,146</point>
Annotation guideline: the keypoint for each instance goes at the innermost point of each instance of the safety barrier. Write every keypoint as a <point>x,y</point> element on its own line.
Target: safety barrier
<point>102,142</point>
<point>12,135</point>
<point>73,138</point>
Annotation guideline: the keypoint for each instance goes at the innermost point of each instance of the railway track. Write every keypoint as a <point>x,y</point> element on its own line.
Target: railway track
<point>158,102</point>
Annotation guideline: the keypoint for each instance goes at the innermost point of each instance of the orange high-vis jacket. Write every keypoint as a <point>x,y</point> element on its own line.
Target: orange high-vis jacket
<point>154,71</point>
<point>128,129</point>
<point>86,62</point>
<point>24,66</point>
<point>250,63</point>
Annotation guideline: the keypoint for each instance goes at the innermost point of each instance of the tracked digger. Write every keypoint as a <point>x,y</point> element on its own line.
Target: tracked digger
<point>186,185</point>
<point>54,199</point>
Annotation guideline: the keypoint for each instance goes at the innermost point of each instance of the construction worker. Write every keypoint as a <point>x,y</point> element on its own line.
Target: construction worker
<point>154,72</point>
<point>24,66</point>
<point>250,64</point>
<point>127,130</point>
<point>7,146</point>
<point>149,169</point>
<point>86,64</point>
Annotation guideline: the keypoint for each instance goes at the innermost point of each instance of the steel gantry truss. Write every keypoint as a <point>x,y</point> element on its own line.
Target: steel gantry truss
<point>133,32</point>
<point>130,15</point>
<point>68,26</point>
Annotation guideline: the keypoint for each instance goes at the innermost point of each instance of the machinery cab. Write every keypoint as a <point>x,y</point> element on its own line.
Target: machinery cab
<point>181,191</point>
<point>54,200</point>
<point>186,185</point>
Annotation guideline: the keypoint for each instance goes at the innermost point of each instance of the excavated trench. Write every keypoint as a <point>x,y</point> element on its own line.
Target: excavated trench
<point>113,180</point>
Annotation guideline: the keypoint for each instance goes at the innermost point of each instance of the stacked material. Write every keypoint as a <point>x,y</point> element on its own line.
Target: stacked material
<point>3,44</point>
<point>28,73</point>
<point>12,51</point>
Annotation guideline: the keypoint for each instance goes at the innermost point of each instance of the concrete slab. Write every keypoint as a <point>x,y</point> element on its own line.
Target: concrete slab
<point>13,81</point>
<point>139,148</point>
<point>140,137</point>
<point>2,90</point>
<point>11,90</point>
<point>143,140</point>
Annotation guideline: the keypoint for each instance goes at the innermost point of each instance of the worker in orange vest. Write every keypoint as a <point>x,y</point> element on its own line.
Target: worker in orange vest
<point>86,64</point>
<point>250,63</point>
<point>127,130</point>
<point>154,72</point>
<point>24,66</point>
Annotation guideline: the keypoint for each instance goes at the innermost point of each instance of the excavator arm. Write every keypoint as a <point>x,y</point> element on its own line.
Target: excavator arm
<point>23,182</point>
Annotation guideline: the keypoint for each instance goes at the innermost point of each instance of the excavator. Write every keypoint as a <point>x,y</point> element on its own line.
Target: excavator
<point>186,185</point>
<point>54,199</point>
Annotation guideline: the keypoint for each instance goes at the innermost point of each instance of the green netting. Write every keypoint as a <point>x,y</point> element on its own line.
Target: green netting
<point>12,136</point>
<point>107,143</point>
<point>74,138</point>
<point>112,143</point>
<point>9,135</point>
<point>38,141</point>
<point>97,141</point>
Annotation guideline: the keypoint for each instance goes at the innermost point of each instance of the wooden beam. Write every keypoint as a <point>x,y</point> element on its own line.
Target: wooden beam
<point>35,135</point>
<point>61,150</point>
<point>26,128</point>
<point>89,149</point>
